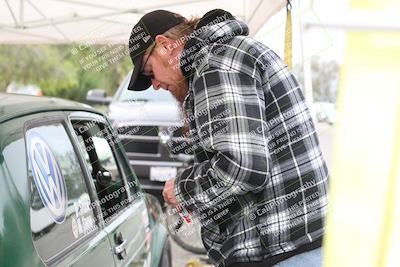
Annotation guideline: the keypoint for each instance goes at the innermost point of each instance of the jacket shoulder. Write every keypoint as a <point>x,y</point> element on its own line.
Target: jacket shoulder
<point>239,54</point>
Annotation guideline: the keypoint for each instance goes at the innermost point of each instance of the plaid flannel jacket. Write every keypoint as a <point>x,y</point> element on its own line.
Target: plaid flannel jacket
<point>259,182</point>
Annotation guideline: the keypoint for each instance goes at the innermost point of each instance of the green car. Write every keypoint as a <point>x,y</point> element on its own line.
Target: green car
<point>68,196</point>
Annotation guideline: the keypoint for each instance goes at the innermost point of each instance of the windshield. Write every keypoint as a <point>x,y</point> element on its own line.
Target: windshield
<point>150,94</point>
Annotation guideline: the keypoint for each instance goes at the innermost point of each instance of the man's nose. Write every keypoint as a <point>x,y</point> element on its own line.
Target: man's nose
<point>156,84</point>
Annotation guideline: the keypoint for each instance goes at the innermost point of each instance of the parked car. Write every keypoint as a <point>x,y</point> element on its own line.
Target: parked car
<point>24,89</point>
<point>68,194</point>
<point>149,125</point>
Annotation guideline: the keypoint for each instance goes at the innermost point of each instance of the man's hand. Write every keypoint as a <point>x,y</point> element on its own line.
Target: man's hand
<point>168,192</point>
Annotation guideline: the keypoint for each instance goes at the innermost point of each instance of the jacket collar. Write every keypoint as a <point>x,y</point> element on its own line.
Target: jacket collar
<point>215,27</point>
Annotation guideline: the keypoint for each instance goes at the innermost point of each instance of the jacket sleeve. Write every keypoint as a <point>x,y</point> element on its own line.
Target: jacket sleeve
<point>229,114</point>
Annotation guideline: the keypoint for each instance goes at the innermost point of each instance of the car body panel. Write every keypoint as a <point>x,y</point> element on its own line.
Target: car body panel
<point>13,105</point>
<point>94,251</point>
<point>16,245</point>
<point>144,113</point>
<point>14,195</point>
<point>137,247</point>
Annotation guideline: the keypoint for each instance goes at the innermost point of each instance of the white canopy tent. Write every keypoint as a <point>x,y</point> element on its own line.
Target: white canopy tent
<point>111,21</point>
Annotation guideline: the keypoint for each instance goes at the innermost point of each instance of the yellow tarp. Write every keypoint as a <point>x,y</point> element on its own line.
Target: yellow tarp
<point>363,226</point>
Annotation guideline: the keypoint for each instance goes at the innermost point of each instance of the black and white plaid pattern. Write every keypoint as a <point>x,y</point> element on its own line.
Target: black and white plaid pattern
<point>259,184</point>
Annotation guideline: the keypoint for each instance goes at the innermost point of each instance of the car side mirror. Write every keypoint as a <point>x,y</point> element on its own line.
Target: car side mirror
<point>103,177</point>
<point>98,96</point>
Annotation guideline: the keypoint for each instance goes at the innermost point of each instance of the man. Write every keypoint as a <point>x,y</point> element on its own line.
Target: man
<point>259,181</point>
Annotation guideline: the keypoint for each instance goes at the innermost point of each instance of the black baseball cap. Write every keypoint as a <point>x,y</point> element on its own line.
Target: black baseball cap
<point>142,37</point>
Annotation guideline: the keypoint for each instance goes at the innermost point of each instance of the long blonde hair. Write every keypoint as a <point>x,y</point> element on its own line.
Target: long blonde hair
<point>175,33</point>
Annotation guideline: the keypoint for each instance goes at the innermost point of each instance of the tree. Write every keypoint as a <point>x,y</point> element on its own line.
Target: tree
<point>61,73</point>
<point>35,64</point>
<point>324,75</point>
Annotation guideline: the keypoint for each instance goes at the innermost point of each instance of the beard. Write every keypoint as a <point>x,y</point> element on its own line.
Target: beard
<point>180,92</point>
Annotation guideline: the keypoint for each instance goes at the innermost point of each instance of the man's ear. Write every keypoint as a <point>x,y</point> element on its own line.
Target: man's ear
<point>165,43</point>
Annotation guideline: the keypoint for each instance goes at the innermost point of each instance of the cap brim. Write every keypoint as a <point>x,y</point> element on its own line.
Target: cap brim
<point>139,82</point>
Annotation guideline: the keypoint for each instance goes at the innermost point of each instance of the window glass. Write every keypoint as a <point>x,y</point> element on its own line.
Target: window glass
<point>97,143</point>
<point>85,154</point>
<point>61,212</point>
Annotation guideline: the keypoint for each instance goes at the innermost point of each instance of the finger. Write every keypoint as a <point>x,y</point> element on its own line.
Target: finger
<point>165,196</point>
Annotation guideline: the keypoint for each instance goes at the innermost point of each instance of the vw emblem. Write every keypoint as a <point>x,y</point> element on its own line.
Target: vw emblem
<point>47,176</point>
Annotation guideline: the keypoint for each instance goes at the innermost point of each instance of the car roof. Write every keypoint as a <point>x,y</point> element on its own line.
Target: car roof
<point>15,105</point>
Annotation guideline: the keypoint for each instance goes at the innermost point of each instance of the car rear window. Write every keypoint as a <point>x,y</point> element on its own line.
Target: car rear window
<point>60,211</point>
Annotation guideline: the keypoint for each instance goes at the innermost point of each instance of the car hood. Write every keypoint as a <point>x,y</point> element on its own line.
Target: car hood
<point>161,113</point>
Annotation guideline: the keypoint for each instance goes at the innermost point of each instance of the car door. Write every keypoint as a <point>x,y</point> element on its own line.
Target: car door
<point>64,228</point>
<point>122,204</point>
